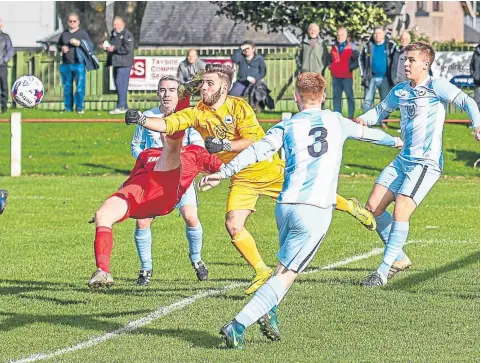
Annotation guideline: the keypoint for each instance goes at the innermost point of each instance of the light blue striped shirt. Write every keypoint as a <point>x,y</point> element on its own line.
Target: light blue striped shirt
<point>313,141</point>
<point>423,112</point>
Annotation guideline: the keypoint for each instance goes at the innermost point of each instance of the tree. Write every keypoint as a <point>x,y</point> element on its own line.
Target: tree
<point>92,17</point>
<point>132,12</point>
<point>358,17</point>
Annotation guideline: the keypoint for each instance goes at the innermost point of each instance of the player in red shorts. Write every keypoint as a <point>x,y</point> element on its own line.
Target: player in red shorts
<point>156,184</point>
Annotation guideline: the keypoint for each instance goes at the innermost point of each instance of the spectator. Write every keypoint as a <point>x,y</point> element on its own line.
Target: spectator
<point>343,60</point>
<point>72,68</point>
<point>313,55</point>
<point>375,66</point>
<point>190,66</point>
<point>6,53</point>
<point>252,68</point>
<point>397,70</point>
<point>121,57</point>
<point>474,70</point>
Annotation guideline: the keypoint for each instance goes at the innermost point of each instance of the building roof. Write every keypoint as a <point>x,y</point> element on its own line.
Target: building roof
<point>194,23</point>
<point>471,35</point>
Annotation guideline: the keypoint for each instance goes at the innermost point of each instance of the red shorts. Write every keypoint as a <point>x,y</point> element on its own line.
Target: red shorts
<point>151,194</point>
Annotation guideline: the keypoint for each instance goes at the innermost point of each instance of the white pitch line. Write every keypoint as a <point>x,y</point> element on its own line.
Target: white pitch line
<point>165,310</point>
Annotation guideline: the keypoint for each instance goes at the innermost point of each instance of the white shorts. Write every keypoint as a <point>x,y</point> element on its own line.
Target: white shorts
<point>189,198</point>
<point>301,228</point>
<point>410,178</point>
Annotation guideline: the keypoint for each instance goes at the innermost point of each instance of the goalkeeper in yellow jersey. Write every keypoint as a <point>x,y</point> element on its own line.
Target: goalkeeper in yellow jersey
<point>229,125</point>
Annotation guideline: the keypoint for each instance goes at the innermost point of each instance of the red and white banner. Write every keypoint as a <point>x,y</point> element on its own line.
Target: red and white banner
<point>146,71</point>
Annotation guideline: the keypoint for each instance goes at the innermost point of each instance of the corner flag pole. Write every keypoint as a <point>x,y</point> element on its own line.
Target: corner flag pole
<point>16,143</point>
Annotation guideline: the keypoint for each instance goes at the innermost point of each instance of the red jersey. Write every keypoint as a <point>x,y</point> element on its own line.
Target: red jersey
<point>152,193</point>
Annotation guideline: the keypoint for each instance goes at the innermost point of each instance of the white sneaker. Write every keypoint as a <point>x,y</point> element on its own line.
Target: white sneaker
<point>118,111</point>
<point>100,279</point>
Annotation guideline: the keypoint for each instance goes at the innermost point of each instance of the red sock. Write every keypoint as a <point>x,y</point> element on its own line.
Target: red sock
<point>103,244</point>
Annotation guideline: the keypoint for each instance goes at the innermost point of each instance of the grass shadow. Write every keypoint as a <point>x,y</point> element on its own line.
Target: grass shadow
<point>88,321</point>
<point>198,338</point>
<point>465,156</point>
<point>415,279</point>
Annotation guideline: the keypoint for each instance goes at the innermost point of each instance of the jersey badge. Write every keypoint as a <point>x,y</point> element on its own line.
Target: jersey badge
<point>411,109</point>
<point>228,119</point>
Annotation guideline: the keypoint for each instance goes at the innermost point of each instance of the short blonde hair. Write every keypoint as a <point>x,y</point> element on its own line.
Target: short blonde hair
<point>310,86</point>
<point>424,49</point>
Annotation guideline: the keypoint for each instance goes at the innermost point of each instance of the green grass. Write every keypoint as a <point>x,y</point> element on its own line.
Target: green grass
<point>104,149</point>
<point>428,314</point>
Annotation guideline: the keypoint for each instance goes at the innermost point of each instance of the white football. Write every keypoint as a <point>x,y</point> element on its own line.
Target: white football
<point>28,91</point>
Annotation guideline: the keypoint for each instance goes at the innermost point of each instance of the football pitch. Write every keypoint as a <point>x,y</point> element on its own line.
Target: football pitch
<point>429,313</point>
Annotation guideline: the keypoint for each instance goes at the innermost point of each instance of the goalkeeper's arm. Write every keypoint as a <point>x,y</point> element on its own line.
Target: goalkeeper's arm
<point>258,151</point>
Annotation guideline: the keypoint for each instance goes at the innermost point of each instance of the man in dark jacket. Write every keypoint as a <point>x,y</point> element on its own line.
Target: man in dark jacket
<point>6,53</point>
<point>343,60</point>
<point>190,66</point>
<point>121,57</point>
<point>397,69</point>
<point>72,68</point>
<point>375,66</point>
<point>474,70</point>
<point>313,56</point>
<point>252,68</point>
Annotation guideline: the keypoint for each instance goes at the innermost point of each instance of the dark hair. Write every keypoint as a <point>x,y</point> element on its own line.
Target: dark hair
<point>224,71</point>
<point>424,49</point>
<point>379,27</point>
<point>248,42</point>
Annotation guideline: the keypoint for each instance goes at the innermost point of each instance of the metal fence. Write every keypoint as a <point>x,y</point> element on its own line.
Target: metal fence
<point>280,64</point>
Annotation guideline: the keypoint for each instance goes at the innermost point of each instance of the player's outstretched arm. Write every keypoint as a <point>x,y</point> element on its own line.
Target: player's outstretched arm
<point>136,117</point>
<point>258,151</point>
<point>467,104</point>
<point>363,133</point>
<point>381,111</point>
<point>448,92</point>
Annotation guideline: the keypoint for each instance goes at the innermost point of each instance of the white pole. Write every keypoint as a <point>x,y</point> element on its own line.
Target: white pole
<point>16,143</point>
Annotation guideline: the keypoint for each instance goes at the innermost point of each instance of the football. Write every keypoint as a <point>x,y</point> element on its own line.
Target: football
<point>28,91</point>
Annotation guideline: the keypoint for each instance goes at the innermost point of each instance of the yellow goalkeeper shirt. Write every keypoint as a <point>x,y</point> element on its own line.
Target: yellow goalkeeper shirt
<point>234,120</point>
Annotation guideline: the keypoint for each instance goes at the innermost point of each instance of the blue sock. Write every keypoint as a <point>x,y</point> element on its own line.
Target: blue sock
<point>194,237</point>
<point>383,229</point>
<point>143,242</point>
<point>397,239</point>
<point>269,295</point>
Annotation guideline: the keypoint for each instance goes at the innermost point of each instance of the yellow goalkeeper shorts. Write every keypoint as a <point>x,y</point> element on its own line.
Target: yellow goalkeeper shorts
<point>246,188</point>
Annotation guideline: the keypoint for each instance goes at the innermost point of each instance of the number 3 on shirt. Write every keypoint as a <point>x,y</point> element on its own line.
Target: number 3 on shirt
<point>320,136</point>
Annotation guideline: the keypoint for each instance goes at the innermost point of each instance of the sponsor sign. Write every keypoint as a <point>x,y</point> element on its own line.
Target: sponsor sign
<point>453,66</point>
<point>146,71</point>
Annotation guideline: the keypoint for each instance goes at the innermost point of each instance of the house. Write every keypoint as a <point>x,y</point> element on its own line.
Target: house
<point>27,27</point>
<point>440,20</point>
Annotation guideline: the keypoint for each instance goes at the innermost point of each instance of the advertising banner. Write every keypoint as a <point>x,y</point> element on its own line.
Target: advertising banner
<point>146,71</point>
<point>453,66</point>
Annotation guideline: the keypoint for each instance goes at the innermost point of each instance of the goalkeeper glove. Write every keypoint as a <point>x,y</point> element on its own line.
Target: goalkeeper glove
<point>215,145</point>
<point>134,117</point>
<point>190,87</point>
